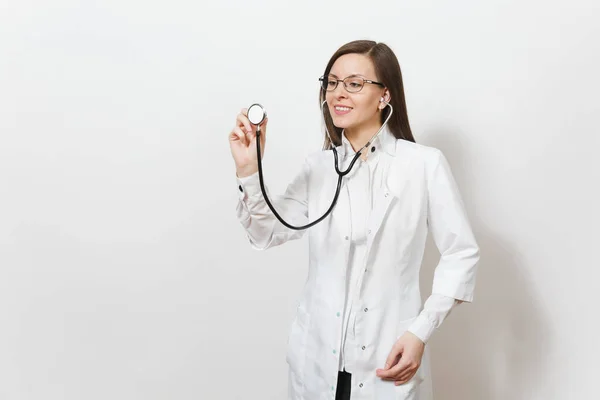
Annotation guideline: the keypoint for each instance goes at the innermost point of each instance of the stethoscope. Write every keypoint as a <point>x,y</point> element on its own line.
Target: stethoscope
<point>257,114</point>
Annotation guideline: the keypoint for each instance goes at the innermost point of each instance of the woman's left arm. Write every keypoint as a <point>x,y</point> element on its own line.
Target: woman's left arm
<point>454,277</point>
<point>455,273</point>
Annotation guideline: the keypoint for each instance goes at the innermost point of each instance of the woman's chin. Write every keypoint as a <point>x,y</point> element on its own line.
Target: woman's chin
<point>341,123</point>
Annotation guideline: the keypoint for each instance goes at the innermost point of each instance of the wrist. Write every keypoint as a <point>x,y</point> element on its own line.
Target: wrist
<point>244,172</point>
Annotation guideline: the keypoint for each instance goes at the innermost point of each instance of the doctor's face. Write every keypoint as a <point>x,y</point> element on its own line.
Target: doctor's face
<point>357,105</point>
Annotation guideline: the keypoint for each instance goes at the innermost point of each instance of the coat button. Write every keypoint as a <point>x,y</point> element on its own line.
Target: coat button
<point>240,187</point>
<point>369,231</point>
<point>387,194</point>
<point>373,149</point>
<point>363,347</point>
<point>346,238</point>
<point>366,309</point>
<point>334,351</point>
<point>360,385</point>
<point>338,314</point>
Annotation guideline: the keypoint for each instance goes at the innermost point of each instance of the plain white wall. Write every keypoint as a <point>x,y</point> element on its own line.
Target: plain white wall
<point>123,271</point>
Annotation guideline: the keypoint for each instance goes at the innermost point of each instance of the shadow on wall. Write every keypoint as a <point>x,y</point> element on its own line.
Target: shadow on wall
<point>494,347</point>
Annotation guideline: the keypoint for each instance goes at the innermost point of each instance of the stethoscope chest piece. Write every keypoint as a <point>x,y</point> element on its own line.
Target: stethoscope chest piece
<point>256,114</point>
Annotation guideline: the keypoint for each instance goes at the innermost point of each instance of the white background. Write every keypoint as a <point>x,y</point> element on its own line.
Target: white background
<point>123,271</point>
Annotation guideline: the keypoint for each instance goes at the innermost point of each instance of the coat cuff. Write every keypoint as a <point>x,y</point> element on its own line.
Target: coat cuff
<point>461,291</point>
<point>248,186</point>
<point>422,328</point>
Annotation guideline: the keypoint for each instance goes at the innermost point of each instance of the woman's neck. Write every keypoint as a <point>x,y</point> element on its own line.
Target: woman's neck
<point>359,136</point>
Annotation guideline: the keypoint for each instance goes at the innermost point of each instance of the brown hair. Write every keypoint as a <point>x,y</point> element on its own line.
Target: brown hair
<point>388,72</point>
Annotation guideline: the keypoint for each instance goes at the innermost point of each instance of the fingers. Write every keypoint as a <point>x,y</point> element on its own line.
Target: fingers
<point>243,129</point>
<point>406,368</point>
<point>400,373</point>
<point>402,362</point>
<point>405,377</point>
<point>238,134</point>
<point>398,366</point>
<point>243,121</point>
<point>244,132</point>
<point>391,364</point>
<point>394,356</point>
<point>396,371</point>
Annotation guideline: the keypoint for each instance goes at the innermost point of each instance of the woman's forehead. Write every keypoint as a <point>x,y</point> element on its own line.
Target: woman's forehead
<point>353,64</point>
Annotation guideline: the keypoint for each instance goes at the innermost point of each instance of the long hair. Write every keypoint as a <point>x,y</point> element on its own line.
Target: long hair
<point>388,72</point>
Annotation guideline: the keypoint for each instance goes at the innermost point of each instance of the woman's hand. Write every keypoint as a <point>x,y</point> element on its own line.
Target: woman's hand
<point>242,141</point>
<point>404,359</point>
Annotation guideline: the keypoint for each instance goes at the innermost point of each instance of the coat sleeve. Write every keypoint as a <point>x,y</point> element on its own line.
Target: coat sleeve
<point>455,273</point>
<point>262,227</point>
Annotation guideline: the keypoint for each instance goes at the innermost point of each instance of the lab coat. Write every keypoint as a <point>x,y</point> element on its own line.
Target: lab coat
<point>418,193</point>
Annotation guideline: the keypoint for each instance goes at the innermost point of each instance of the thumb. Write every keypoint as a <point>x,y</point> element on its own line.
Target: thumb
<point>391,358</point>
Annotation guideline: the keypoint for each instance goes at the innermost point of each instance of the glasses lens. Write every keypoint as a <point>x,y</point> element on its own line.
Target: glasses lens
<point>328,83</point>
<point>354,84</point>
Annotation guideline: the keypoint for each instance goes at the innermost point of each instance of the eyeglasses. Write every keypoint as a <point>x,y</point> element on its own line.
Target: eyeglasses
<point>353,84</point>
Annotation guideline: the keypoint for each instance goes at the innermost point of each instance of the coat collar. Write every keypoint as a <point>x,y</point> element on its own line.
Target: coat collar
<point>382,197</point>
<point>385,141</point>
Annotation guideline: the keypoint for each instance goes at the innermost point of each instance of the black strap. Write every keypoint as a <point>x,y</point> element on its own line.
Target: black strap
<point>343,386</point>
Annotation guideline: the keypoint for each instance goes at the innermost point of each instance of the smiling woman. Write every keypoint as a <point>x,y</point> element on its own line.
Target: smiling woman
<point>353,84</point>
<point>360,330</point>
<point>370,71</point>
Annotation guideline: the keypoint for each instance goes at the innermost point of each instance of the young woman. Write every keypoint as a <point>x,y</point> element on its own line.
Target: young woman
<point>361,329</point>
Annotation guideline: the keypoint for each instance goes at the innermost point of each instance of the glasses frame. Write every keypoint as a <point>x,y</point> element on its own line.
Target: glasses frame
<point>337,81</point>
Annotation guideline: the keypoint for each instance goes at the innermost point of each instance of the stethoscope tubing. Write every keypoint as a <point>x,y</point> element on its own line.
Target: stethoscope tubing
<point>340,173</point>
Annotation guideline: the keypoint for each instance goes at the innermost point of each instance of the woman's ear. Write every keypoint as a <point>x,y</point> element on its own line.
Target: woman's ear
<point>384,99</point>
<point>387,97</point>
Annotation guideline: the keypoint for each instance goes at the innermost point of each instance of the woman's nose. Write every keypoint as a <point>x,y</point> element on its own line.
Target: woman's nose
<point>339,91</point>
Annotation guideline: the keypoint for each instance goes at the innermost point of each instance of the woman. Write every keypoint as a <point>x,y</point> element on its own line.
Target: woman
<point>361,328</point>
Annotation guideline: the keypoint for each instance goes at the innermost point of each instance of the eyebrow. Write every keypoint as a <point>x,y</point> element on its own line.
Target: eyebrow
<point>361,75</point>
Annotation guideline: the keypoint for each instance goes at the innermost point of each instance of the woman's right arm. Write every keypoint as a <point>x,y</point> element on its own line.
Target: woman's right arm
<point>263,229</point>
